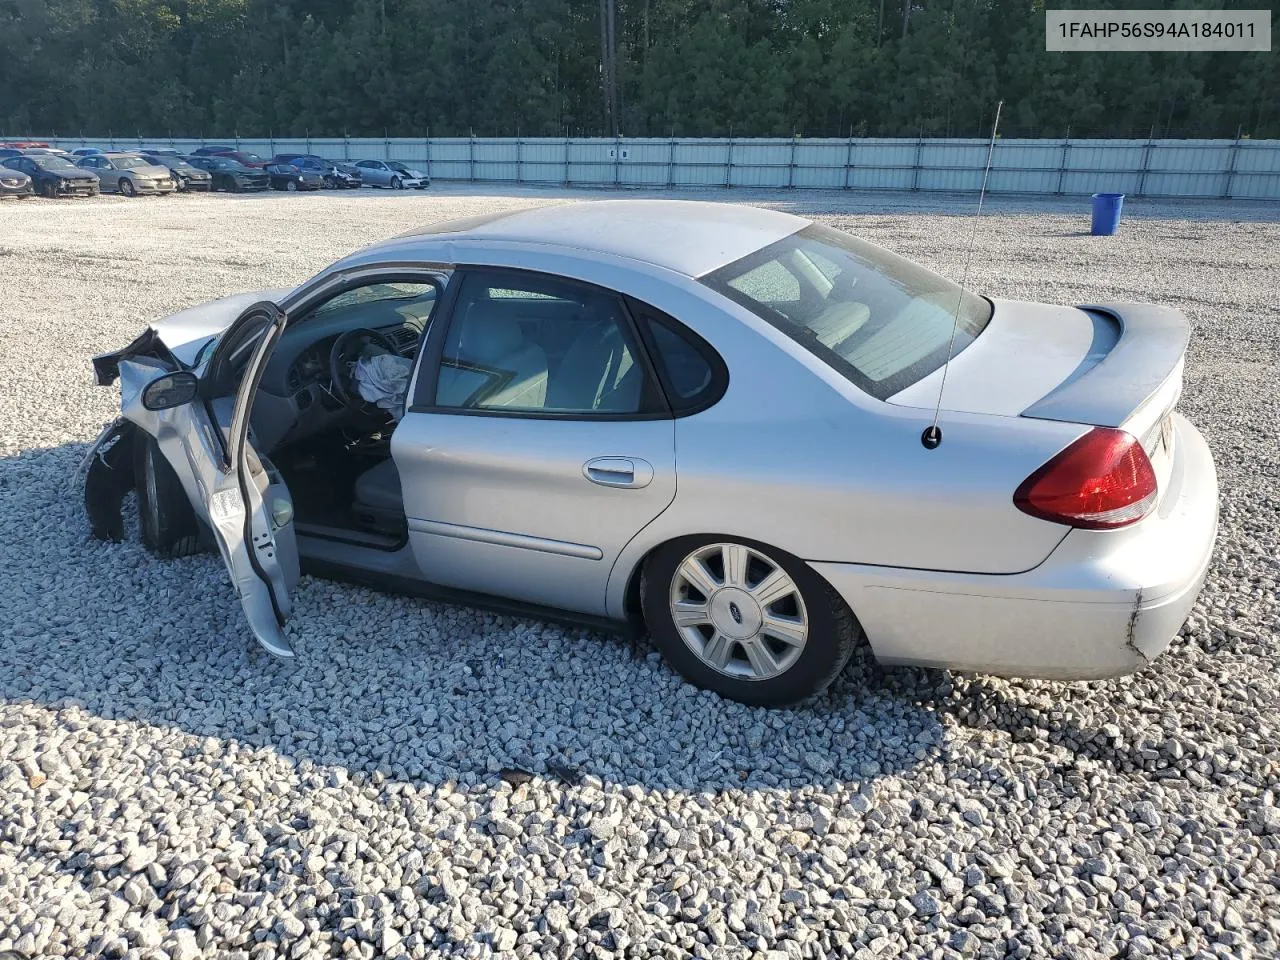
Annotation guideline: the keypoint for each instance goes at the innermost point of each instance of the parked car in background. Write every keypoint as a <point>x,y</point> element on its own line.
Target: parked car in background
<point>391,173</point>
<point>87,152</point>
<point>228,174</point>
<point>336,174</point>
<point>129,174</point>
<point>351,177</point>
<point>245,157</point>
<point>185,176</point>
<point>285,176</point>
<point>54,176</point>
<point>15,183</point>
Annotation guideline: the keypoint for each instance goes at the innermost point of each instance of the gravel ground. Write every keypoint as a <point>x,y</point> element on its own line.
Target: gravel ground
<point>167,792</point>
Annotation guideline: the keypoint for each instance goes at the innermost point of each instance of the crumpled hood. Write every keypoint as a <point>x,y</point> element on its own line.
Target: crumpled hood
<point>187,331</point>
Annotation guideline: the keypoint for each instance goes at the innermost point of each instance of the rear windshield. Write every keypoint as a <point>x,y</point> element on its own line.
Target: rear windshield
<point>880,320</point>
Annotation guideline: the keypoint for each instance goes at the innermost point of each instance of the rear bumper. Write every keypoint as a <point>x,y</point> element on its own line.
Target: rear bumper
<point>1103,604</point>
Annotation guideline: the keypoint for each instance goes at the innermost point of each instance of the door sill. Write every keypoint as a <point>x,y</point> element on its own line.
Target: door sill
<point>362,538</point>
<point>386,583</point>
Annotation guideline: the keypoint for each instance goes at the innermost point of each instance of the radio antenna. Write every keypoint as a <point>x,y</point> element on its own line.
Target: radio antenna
<point>932,436</point>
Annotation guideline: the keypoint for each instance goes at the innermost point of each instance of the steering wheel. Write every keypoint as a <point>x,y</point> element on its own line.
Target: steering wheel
<point>344,353</point>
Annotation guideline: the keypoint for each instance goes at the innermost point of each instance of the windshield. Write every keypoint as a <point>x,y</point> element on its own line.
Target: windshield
<point>129,163</point>
<point>246,157</point>
<point>50,162</point>
<point>397,166</point>
<point>878,319</point>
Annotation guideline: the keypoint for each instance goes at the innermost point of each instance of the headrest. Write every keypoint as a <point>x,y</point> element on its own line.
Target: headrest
<point>488,338</point>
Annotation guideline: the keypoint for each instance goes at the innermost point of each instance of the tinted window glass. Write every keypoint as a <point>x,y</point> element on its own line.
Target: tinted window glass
<point>876,318</point>
<point>692,373</point>
<point>524,343</point>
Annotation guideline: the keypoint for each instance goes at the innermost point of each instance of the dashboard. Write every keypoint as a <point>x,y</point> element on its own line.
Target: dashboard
<point>294,398</point>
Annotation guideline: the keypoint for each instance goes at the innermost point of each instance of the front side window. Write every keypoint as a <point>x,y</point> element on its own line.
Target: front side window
<point>528,343</point>
<point>878,319</point>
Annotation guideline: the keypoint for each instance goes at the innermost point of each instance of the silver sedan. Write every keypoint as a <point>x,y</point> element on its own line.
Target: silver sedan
<point>393,174</point>
<point>128,173</point>
<point>763,440</point>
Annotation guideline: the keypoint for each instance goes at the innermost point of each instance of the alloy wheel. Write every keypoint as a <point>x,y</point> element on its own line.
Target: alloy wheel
<point>739,611</point>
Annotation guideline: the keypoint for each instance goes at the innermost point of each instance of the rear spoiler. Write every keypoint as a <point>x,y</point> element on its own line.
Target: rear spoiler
<point>1152,342</point>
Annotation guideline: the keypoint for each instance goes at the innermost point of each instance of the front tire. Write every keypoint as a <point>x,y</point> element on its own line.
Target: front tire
<point>746,620</point>
<point>127,188</point>
<point>168,525</point>
<point>397,183</point>
<point>291,186</point>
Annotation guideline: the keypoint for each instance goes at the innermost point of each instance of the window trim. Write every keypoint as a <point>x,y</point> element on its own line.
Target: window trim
<point>432,356</point>
<point>643,315</point>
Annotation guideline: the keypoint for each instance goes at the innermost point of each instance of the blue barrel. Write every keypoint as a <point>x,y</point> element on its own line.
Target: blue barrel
<point>1106,213</point>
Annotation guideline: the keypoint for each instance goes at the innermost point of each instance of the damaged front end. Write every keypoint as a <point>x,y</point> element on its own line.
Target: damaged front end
<point>107,468</point>
<point>107,472</point>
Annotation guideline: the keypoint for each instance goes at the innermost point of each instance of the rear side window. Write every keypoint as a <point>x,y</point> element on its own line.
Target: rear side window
<point>693,375</point>
<point>878,319</point>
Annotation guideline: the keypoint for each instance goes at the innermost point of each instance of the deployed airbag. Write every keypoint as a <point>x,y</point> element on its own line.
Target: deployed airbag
<point>383,380</point>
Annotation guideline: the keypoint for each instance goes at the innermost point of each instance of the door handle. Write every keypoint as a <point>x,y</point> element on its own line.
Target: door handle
<point>618,472</point>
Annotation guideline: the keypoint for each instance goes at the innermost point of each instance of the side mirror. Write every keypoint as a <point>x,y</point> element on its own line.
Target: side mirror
<point>171,390</point>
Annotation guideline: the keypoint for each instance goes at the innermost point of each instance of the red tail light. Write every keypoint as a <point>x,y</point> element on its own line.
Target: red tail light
<point>1102,481</point>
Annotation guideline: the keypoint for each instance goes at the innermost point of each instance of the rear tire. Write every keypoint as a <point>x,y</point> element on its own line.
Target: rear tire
<point>168,525</point>
<point>806,604</point>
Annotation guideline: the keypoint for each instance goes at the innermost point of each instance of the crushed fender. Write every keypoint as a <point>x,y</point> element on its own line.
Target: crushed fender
<point>108,478</point>
<point>106,366</point>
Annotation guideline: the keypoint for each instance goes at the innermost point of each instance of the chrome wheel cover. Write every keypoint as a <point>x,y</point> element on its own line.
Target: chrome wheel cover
<point>739,611</point>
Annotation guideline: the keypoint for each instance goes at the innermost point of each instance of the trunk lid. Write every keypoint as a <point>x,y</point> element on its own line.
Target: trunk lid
<point>1108,365</point>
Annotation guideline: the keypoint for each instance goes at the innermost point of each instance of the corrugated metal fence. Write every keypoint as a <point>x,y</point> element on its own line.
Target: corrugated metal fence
<point>1242,169</point>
